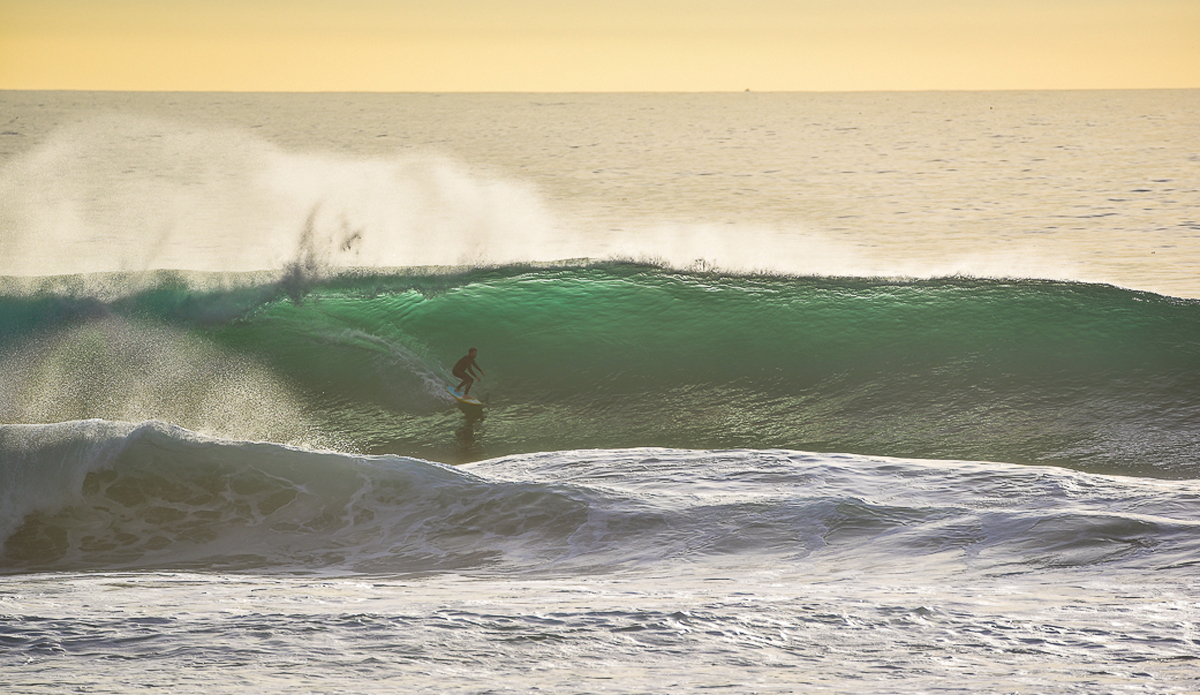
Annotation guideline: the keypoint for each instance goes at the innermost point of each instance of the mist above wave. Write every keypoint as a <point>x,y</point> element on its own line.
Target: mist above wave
<point>121,369</point>
<point>121,193</point>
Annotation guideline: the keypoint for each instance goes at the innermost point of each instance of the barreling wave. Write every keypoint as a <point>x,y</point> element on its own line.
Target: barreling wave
<point>98,495</point>
<point>618,355</point>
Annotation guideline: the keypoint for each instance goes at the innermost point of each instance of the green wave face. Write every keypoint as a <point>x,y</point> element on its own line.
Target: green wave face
<point>629,355</point>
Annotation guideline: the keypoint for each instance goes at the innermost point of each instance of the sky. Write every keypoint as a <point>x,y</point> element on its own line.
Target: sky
<point>598,45</point>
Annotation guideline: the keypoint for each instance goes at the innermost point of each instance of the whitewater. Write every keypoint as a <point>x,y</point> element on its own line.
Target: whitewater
<point>852,393</point>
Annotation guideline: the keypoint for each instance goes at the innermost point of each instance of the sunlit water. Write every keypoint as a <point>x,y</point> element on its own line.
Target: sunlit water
<point>310,540</point>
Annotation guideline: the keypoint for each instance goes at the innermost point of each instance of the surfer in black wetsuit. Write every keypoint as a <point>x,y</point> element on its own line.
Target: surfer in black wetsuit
<point>464,369</point>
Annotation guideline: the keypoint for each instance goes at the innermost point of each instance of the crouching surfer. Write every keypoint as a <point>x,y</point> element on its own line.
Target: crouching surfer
<point>464,369</point>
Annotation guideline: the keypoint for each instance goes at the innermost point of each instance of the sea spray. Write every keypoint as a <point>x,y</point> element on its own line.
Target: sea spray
<point>185,198</point>
<point>832,284</point>
<point>119,368</point>
<point>124,193</point>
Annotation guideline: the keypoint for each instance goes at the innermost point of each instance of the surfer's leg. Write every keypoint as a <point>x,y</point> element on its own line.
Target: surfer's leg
<point>467,381</point>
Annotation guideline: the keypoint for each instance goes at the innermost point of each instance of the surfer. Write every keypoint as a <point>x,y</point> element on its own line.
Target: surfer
<point>464,369</point>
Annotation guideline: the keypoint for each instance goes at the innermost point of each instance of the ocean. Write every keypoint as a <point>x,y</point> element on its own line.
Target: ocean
<point>783,393</point>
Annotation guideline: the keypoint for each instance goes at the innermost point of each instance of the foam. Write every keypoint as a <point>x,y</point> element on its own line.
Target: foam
<point>44,465</point>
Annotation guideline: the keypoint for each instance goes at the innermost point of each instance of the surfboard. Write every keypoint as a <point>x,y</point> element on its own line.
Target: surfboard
<point>469,400</point>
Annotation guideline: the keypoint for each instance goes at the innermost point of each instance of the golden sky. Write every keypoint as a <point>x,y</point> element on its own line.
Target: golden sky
<point>598,45</point>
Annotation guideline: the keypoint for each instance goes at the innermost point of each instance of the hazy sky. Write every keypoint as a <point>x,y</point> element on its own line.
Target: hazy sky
<point>597,45</point>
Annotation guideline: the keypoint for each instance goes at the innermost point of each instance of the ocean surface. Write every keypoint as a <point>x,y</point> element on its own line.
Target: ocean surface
<point>784,393</point>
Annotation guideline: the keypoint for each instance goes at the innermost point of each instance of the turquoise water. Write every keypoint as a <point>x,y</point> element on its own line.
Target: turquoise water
<point>869,393</point>
<point>613,355</point>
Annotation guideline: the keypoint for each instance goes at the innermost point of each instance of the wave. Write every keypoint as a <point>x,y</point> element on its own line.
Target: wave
<point>616,355</point>
<point>98,495</point>
<point>118,495</point>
